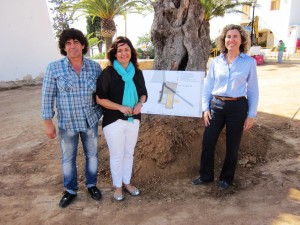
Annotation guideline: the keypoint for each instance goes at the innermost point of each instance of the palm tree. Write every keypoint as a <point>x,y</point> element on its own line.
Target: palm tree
<point>185,24</point>
<point>93,27</point>
<point>216,8</point>
<point>107,10</point>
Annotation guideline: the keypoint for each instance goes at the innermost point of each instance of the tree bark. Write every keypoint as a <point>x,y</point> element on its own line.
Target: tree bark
<point>180,35</point>
<point>100,47</point>
<point>108,43</point>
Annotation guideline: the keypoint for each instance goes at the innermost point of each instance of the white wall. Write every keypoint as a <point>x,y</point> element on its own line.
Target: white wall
<point>218,23</point>
<point>277,21</point>
<point>27,39</point>
<point>295,18</point>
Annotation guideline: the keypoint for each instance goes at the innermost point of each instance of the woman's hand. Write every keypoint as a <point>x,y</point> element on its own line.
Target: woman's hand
<point>248,123</point>
<point>126,110</point>
<point>137,108</point>
<point>207,118</point>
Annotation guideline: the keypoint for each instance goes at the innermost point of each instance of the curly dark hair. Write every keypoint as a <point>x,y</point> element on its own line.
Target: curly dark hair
<point>245,38</point>
<point>72,33</point>
<point>111,53</point>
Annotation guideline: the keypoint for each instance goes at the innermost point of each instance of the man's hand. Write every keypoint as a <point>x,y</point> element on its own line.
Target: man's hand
<point>50,129</point>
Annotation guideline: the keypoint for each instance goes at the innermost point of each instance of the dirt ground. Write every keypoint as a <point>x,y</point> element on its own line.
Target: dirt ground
<point>266,189</point>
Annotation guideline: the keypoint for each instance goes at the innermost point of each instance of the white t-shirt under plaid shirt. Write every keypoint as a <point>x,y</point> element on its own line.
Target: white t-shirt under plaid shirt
<point>74,94</point>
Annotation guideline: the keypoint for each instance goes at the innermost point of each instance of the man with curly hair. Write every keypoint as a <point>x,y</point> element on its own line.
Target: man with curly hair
<point>70,83</point>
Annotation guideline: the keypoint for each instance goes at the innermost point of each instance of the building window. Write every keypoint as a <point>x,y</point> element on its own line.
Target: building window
<point>275,4</point>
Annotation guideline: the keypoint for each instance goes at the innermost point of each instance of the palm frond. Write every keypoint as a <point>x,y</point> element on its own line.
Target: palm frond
<point>108,9</point>
<point>215,8</point>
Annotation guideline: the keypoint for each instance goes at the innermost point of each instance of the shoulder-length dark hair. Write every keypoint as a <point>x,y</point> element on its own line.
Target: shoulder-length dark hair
<point>245,38</point>
<point>72,33</point>
<point>111,53</point>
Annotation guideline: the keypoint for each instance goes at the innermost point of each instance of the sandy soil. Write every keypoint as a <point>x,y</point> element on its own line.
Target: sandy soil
<point>266,189</point>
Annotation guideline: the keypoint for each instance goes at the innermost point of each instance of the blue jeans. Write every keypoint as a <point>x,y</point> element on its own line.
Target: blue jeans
<point>280,55</point>
<point>231,114</point>
<point>68,145</point>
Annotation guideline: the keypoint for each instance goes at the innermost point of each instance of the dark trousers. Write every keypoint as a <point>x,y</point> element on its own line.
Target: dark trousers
<point>231,114</point>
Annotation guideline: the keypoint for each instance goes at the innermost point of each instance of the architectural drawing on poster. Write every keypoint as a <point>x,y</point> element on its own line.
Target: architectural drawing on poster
<point>176,93</point>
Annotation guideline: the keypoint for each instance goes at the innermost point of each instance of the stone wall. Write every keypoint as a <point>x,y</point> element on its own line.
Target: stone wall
<point>27,80</point>
<point>144,64</point>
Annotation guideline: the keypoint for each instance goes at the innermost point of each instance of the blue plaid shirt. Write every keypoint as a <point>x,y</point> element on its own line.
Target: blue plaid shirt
<point>74,94</point>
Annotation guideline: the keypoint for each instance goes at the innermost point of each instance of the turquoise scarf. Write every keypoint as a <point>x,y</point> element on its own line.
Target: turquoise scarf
<point>130,97</point>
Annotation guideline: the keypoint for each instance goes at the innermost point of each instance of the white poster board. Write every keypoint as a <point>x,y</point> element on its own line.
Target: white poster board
<point>176,93</point>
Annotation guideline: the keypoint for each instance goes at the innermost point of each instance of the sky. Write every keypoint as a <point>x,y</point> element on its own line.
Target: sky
<point>137,25</point>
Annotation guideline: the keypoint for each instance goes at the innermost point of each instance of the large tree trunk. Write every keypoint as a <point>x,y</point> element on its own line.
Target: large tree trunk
<point>180,35</point>
<point>181,42</point>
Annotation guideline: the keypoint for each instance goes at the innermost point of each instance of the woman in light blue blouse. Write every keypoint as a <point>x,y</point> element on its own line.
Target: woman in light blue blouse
<point>230,99</point>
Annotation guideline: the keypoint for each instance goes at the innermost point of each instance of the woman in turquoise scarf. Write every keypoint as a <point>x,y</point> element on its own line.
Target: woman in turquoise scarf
<point>121,91</point>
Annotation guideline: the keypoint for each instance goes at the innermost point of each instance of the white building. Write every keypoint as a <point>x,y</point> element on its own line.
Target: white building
<point>27,40</point>
<point>277,20</point>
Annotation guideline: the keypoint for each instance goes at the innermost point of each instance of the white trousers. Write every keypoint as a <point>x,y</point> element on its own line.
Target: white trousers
<point>121,137</point>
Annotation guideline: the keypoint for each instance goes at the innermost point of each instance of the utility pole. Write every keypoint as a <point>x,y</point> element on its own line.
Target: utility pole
<point>125,20</point>
<point>253,10</point>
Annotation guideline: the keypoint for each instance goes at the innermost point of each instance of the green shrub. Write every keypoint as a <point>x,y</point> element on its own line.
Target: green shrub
<point>98,56</point>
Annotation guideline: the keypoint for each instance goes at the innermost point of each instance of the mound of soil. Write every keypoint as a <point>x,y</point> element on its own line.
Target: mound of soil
<point>169,148</point>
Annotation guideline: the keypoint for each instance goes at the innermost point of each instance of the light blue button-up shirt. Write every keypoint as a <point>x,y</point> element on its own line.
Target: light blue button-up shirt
<point>240,79</point>
<point>73,94</point>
